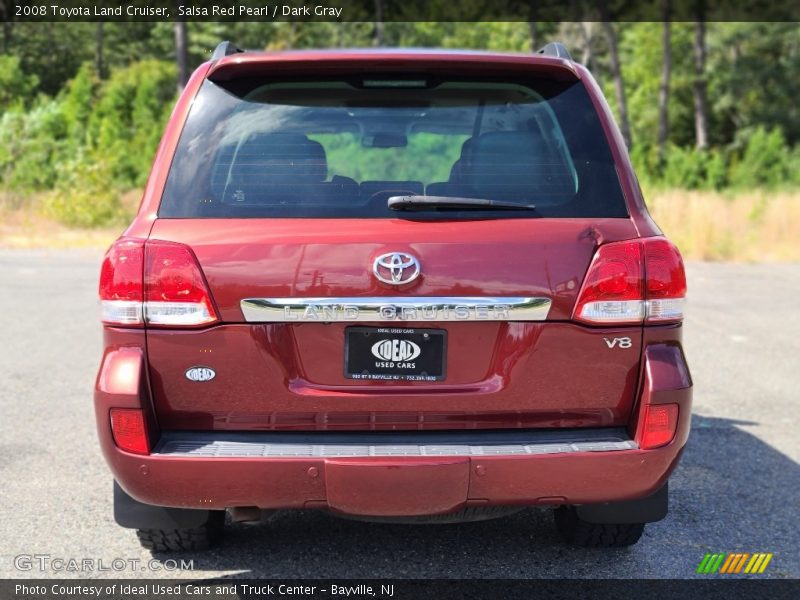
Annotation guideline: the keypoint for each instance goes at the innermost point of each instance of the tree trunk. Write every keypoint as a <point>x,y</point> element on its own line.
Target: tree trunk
<point>6,8</point>
<point>699,90</point>
<point>588,56</point>
<point>377,35</point>
<point>619,88</point>
<point>182,53</point>
<point>287,40</point>
<point>99,66</point>
<point>663,90</point>
<point>533,26</point>
<point>534,30</point>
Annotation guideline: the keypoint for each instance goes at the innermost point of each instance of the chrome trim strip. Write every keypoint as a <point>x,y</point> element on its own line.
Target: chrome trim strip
<point>399,308</point>
<point>228,449</point>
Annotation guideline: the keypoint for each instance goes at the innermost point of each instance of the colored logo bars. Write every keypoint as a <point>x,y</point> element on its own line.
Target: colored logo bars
<point>734,562</point>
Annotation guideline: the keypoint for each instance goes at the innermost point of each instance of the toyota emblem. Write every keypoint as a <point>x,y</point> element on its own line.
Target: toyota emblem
<point>396,268</point>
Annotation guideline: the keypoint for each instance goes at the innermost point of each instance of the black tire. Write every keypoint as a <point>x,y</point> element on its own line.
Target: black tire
<point>185,540</point>
<point>595,535</point>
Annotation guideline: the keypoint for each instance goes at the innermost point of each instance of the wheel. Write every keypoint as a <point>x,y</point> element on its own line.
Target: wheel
<point>180,540</point>
<point>595,535</point>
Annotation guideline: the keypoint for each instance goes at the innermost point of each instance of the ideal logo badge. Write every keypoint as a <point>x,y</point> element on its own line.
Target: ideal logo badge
<point>394,350</point>
<point>200,374</point>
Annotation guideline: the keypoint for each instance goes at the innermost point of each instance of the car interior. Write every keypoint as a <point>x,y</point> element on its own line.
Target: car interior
<point>281,168</point>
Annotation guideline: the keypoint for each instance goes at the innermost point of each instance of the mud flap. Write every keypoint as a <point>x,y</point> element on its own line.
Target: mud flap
<point>645,510</point>
<point>397,488</point>
<point>133,514</point>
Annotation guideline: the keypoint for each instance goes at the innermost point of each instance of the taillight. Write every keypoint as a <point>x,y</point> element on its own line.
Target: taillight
<point>154,282</point>
<point>666,281</point>
<point>175,291</point>
<point>613,290</point>
<point>121,283</point>
<point>130,433</point>
<point>633,282</point>
<point>660,423</point>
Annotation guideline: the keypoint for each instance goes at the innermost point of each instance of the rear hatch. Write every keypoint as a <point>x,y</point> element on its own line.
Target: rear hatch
<point>282,190</point>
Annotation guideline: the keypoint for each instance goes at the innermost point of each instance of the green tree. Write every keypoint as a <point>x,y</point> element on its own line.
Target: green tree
<point>16,86</point>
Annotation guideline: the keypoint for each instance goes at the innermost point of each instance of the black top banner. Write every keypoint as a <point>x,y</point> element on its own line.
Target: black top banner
<point>401,10</point>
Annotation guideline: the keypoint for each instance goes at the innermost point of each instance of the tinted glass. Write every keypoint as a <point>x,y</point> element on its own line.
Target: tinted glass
<point>341,148</point>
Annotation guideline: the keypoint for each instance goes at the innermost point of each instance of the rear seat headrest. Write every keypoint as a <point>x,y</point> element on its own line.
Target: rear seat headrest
<point>457,170</point>
<point>281,158</point>
<point>514,162</point>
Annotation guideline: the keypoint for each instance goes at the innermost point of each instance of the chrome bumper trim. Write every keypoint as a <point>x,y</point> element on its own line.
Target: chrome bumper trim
<point>228,449</point>
<point>400,308</point>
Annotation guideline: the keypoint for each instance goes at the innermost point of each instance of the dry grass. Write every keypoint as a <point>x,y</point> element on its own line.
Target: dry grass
<point>23,230</point>
<point>756,226</point>
<point>28,228</point>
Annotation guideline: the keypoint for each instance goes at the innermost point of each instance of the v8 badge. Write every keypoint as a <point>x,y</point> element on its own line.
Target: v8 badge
<point>620,342</point>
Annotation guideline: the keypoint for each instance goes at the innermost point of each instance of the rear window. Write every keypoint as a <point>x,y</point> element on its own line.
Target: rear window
<point>342,148</point>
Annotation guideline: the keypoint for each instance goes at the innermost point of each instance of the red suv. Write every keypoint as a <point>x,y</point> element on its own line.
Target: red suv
<point>398,285</point>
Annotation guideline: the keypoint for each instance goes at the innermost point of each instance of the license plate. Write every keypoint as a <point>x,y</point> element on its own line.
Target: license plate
<point>395,354</point>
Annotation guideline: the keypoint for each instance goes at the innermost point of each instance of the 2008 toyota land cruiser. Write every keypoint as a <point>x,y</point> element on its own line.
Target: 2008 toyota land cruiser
<point>414,285</point>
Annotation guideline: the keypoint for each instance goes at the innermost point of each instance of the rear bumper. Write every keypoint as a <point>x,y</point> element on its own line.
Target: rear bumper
<point>411,474</point>
<point>393,485</point>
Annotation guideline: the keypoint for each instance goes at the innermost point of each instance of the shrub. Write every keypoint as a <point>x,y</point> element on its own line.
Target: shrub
<point>30,145</point>
<point>765,161</point>
<point>716,171</point>
<point>793,166</point>
<point>16,86</point>
<point>85,195</point>
<point>646,163</point>
<point>684,168</point>
<point>695,169</point>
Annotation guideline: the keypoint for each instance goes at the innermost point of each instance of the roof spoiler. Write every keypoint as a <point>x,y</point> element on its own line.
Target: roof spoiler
<point>398,60</point>
<point>556,49</point>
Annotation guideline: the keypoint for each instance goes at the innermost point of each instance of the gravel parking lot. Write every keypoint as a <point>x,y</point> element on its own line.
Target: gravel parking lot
<point>736,489</point>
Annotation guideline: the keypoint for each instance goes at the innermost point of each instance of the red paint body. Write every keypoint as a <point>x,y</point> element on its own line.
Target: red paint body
<point>288,377</point>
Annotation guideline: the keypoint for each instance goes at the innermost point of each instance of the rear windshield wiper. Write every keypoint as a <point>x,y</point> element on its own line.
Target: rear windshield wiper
<point>452,202</point>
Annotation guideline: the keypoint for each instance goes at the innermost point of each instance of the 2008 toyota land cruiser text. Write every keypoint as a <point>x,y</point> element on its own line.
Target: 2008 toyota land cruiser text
<point>406,285</point>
